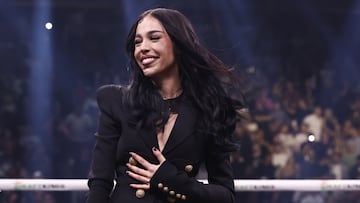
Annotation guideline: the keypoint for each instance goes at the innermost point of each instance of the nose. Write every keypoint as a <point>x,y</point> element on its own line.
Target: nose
<point>144,46</point>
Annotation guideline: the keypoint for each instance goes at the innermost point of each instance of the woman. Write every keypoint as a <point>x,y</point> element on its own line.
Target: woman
<point>175,115</point>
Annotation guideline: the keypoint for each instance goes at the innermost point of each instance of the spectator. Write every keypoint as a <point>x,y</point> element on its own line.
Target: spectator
<point>242,159</point>
<point>331,124</point>
<point>302,110</point>
<point>291,98</point>
<point>315,122</point>
<point>278,114</point>
<point>280,155</point>
<point>354,172</point>
<point>77,127</point>
<point>289,171</point>
<point>336,167</point>
<point>348,158</point>
<point>285,137</point>
<point>262,116</point>
<point>301,137</point>
<point>309,91</point>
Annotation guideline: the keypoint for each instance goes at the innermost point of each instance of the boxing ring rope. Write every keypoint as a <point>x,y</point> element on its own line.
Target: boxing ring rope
<point>240,185</point>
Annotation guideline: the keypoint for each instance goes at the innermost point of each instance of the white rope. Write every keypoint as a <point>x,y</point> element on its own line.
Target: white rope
<point>44,184</point>
<point>240,185</point>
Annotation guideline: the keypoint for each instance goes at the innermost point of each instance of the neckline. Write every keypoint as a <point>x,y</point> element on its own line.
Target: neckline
<point>178,93</point>
<point>173,98</point>
<point>173,104</point>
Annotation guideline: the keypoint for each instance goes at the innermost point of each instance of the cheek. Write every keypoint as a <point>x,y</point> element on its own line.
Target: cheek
<point>171,57</point>
<point>136,53</point>
<point>136,58</point>
<point>169,52</point>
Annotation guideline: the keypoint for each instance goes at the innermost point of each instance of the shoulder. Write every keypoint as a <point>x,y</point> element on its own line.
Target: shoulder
<point>107,94</point>
<point>110,92</point>
<point>107,90</point>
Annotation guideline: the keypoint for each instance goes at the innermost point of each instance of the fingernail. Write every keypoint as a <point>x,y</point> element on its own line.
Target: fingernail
<point>154,149</point>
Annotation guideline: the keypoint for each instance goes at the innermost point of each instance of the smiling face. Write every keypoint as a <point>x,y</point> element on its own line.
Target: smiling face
<point>154,50</point>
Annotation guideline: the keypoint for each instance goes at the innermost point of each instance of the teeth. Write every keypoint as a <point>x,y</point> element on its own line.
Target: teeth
<point>148,60</point>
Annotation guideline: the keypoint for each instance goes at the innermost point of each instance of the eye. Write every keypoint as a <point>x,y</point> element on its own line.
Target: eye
<point>154,38</point>
<point>137,41</point>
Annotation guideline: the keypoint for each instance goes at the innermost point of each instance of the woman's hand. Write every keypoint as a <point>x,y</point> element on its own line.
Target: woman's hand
<point>144,174</point>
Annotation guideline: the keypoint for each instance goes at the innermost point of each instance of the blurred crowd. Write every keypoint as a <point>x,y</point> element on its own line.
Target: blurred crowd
<point>61,146</point>
<point>303,128</point>
<point>306,129</point>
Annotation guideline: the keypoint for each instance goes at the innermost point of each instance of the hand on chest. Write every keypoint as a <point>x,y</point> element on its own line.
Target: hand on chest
<point>178,141</point>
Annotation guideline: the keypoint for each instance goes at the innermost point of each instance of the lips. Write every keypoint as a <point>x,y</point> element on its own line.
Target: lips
<point>147,60</point>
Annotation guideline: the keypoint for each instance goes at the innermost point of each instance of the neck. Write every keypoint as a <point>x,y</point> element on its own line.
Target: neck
<point>170,89</point>
<point>170,93</point>
<point>168,84</point>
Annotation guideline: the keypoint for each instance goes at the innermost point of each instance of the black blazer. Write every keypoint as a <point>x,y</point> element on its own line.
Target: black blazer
<point>175,179</point>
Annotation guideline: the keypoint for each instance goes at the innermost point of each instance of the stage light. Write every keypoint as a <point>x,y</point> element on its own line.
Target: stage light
<point>311,138</point>
<point>48,25</point>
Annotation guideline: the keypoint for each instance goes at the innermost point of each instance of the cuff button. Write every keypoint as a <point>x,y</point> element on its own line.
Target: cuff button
<point>183,197</point>
<point>166,189</point>
<point>188,168</point>
<point>140,193</point>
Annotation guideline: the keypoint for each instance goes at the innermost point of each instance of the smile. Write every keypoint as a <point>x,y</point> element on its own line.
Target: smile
<point>147,60</point>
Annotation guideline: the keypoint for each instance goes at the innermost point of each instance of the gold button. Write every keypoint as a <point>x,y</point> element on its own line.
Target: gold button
<point>132,161</point>
<point>160,185</point>
<point>183,197</point>
<point>188,168</point>
<point>172,192</point>
<point>178,196</point>
<point>140,193</point>
<point>166,189</point>
<point>171,199</point>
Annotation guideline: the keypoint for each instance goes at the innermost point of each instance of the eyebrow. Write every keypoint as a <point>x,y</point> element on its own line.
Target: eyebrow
<point>150,32</point>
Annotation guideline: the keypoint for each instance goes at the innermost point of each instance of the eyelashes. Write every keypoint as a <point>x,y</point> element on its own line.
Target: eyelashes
<point>155,38</point>
<point>152,38</point>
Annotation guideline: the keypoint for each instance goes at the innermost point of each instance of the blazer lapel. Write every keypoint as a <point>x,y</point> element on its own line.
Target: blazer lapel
<point>184,126</point>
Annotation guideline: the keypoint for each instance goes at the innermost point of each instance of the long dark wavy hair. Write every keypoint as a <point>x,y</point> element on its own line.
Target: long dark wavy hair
<point>203,79</point>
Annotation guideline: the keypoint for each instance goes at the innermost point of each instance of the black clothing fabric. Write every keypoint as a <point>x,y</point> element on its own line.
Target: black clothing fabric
<point>115,138</point>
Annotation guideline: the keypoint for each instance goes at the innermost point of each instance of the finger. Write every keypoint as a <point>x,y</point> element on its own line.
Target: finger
<point>141,160</point>
<point>140,186</point>
<point>138,177</point>
<point>138,170</point>
<point>160,157</point>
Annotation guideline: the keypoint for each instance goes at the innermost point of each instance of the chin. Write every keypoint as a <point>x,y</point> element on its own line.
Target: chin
<point>148,73</point>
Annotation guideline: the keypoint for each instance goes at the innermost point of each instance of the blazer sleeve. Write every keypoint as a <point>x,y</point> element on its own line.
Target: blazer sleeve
<point>102,169</point>
<point>220,179</point>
